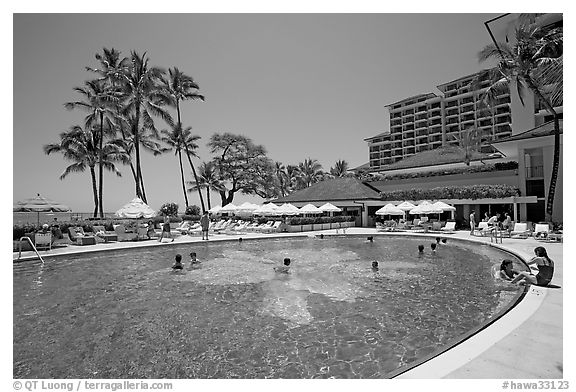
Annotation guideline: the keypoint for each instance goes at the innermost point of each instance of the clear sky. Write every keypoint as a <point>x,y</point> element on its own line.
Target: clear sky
<point>302,85</point>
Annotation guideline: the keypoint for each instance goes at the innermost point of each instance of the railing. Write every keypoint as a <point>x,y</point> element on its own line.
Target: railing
<point>534,171</point>
<point>31,244</point>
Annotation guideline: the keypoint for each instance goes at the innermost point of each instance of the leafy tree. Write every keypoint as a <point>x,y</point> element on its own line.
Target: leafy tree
<point>282,176</point>
<point>242,166</point>
<point>80,146</point>
<point>169,209</point>
<point>208,179</point>
<point>534,61</point>
<point>192,210</point>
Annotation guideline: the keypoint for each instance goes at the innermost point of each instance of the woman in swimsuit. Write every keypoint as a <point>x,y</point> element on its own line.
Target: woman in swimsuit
<point>542,265</point>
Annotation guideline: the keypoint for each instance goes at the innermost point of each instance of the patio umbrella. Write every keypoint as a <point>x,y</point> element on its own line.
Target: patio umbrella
<point>406,206</point>
<point>269,209</point>
<point>288,209</point>
<point>215,210</point>
<point>425,209</point>
<point>445,207</point>
<point>39,204</point>
<point>246,208</point>
<point>328,207</point>
<point>389,209</point>
<point>135,209</point>
<point>229,208</point>
<point>310,209</point>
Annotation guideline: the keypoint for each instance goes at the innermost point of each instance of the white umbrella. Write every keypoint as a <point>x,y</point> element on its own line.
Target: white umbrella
<point>39,204</point>
<point>444,206</point>
<point>288,209</point>
<point>310,209</point>
<point>406,206</point>
<point>389,209</point>
<point>424,209</point>
<point>269,209</point>
<point>215,210</point>
<point>328,207</point>
<point>229,208</point>
<point>135,209</point>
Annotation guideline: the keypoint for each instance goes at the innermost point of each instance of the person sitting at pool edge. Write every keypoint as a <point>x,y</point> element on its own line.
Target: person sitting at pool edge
<point>178,263</point>
<point>542,265</point>
<point>285,268</point>
<point>506,270</point>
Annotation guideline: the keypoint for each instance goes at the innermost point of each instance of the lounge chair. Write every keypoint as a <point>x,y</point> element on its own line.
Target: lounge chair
<point>520,231</point>
<point>78,236</point>
<point>43,240</point>
<point>274,228</point>
<point>541,231</point>
<point>436,226</point>
<point>123,235</point>
<point>483,229</point>
<point>107,236</point>
<point>449,227</point>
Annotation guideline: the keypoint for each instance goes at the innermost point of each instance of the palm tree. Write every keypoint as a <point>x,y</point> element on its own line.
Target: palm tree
<point>340,168</point>
<point>98,102</point>
<point>142,99</point>
<point>176,88</point>
<point>190,146</point>
<point>310,172</point>
<point>469,142</point>
<point>209,180</point>
<point>81,147</point>
<point>282,175</point>
<point>174,139</point>
<point>533,61</point>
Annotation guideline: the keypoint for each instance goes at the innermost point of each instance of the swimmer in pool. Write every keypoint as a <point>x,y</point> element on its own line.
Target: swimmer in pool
<point>178,262</point>
<point>374,266</point>
<point>285,268</point>
<point>438,240</point>
<point>444,240</point>
<point>193,259</point>
<point>506,270</point>
<point>370,239</point>
<point>420,248</point>
<point>433,246</point>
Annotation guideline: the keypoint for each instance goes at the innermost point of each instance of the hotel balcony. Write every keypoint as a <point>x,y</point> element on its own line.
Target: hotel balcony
<point>421,117</point>
<point>435,105</point>
<point>434,122</point>
<point>452,104</point>
<point>435,114</point>
<point>421,124</point>
<point>503,119</point>
<point>452,112</point>
<point>409,112</point>
<point>408,120</point>
<point>421,109</point>
<point>396,115</point>
<point>423,132</point>
<point>468,122</point>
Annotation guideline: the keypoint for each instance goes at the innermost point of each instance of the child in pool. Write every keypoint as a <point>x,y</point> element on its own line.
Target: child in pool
<point>433,246</point>
<point>420,248</point>
<point>506,270</point>
<point>374,266</point>
<point>193,259</point>
<point>285,268</point>
<point>178,262</point>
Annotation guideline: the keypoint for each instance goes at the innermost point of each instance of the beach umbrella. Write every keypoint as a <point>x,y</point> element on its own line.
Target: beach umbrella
<point>425,209</point>
<point>328,207</point>
<point>389,209</point>
<point>269,209</point>
<point>246,208</point>
<point>229,208</point>
<point>288,209</point>
<point>310,209</point>
<point>135,209</point>
<point>406,206</point>
<point>39,204</point>
<point>445,207</point>
<point>215,210</point>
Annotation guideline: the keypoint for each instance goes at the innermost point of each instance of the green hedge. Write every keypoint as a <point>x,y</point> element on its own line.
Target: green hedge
<point>296,221</point>
<point>500,166</point>
<point>454,192</point>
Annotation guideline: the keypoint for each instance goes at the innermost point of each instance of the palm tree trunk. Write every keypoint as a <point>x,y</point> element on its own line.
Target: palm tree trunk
<point>182,177</point>
<point>208,197</point>
<point>556,159</point>
<point>94,190</point>
<point>137,152</point>
<point>195,178</point>
<point>101,166</point>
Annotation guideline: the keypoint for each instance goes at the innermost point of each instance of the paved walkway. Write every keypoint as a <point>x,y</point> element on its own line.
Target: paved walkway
<point>526,343</point>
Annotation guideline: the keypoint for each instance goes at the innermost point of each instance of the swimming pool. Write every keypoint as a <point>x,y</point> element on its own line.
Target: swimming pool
<point>125,314</point>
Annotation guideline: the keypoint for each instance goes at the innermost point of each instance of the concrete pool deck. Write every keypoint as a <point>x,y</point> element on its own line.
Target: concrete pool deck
<point>525,343</point>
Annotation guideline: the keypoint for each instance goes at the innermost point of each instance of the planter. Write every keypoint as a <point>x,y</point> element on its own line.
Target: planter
<point>326,226</point>
<point>307,227</point>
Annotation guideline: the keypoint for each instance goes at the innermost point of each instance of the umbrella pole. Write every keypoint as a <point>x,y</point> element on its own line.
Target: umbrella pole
<point>38,215</point>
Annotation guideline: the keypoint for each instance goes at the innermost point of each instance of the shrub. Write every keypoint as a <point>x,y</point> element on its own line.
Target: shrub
<point>454,192</point>
<point>169,209</point>
<point>511,165</point>
<point>192,210</point>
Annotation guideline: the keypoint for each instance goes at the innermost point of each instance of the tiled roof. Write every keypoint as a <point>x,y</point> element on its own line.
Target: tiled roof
<point>438,156</point>
<point>343,188</point>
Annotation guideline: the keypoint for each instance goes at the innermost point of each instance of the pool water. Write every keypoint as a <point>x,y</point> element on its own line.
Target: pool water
<point>126,314</point>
